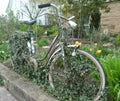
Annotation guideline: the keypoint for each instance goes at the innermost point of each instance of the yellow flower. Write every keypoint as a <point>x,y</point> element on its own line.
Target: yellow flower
<point>99,51</point>
<point>91,50</point>
<point>78,43</point>
<point>95,44</point>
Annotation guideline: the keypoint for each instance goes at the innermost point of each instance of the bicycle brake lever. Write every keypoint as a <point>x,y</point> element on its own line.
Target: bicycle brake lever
<point>71,18</point>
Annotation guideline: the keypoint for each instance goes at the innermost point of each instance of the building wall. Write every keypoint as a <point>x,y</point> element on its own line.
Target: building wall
<point>111,21</point>
<point>16,6</point>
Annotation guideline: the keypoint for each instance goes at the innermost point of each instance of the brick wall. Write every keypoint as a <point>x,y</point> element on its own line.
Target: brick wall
<point>111,21</point>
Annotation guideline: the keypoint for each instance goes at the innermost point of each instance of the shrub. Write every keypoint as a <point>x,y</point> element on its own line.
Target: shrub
<point>23,27</point>
<point>8,25</point>
<point>117,41</point>
<point>39,30</point>
<point>43,42</point>
<point>4,52</point>
<point>51,30</point>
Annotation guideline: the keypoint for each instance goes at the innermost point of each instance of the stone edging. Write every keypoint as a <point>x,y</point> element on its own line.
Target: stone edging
<point>21,88</point>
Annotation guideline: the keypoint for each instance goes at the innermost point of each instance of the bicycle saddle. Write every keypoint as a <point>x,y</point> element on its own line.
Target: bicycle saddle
<point>29,22</point>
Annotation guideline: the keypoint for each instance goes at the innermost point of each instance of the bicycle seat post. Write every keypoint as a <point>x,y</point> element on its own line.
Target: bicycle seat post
<point>30,29</point>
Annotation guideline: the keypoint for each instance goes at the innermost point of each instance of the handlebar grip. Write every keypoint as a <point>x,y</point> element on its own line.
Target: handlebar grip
<point>44,5</point>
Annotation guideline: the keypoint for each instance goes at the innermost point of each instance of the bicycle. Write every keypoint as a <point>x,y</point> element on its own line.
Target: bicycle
<point>72,72</point>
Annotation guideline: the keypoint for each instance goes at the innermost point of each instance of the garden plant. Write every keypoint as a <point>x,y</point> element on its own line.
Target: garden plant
<point>108,57</point>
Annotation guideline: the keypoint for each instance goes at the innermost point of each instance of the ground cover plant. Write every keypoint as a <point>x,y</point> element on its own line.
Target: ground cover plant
<point>1,81</point>
<point>109,58</point>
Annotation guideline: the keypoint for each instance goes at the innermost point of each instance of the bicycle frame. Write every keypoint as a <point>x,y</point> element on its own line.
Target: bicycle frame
<point>60,41</point>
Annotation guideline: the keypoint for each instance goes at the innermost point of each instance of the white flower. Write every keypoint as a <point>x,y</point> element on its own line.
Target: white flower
<point>2,52</point>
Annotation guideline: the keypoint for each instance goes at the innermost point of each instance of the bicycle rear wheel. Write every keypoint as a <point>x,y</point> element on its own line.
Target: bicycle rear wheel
<point>20,54</point>
<point>77,78</point>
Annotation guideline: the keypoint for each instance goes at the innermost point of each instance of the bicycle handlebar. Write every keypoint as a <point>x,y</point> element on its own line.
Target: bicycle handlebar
<point>72,24</point>
<point>44,5</point>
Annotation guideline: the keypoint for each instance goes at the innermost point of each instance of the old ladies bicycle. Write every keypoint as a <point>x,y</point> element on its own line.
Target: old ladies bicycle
<point>73,73</point>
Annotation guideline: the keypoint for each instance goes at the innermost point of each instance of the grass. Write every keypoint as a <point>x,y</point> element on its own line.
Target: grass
<point>110,59</point>
<point>111,66</point>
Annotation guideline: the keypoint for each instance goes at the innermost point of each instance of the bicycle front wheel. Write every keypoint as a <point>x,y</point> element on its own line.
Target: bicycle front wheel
<point>77,78</point>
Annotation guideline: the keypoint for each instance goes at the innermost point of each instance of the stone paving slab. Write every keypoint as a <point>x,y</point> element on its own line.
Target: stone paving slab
<point>5,95</point>
<point>21,88</point>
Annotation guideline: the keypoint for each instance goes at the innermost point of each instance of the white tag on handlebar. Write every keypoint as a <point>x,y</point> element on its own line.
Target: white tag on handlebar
<point>72,24</point>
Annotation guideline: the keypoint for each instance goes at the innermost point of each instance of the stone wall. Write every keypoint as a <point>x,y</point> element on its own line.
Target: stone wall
<point>110,22</point>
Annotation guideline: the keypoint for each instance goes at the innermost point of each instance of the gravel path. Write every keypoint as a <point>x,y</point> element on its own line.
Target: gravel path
<point>5,95</point>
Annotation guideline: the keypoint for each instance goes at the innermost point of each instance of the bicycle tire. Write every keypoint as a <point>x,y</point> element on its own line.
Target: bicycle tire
<point>86,78</point>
